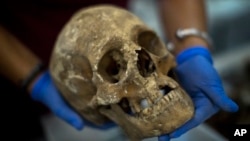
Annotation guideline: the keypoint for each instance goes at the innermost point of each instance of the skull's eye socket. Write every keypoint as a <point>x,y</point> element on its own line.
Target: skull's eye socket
<point>145,64</point>
<point>172,74</point>
<point>111,66</point>
<point>149,41</point>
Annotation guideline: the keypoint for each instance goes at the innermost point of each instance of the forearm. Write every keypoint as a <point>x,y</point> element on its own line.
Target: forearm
<point>183,14</point>
<point>16,61</point>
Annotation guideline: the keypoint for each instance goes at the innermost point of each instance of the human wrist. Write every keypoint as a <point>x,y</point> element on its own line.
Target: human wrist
<point>27,82</point>
<point>41,82</point>
<point>187,43</point>
<point>193,51</point>
<point>183,38</point>
<point>32,83</point>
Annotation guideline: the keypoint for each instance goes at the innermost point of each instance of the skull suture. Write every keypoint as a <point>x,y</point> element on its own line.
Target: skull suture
<point>110,66</point>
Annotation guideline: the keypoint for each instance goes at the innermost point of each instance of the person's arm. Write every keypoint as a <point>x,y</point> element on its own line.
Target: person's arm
<point>16,61</point>
<point>194,69</point>
<point>183,14</point>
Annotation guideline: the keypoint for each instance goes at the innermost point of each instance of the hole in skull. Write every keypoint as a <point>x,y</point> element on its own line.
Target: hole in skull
<point>151,42</point>
<point>145,64</point>
<point>111,65</point>
<point>165,90</point>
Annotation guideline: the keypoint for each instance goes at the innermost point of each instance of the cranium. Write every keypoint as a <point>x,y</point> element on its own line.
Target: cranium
<point>108,65</point>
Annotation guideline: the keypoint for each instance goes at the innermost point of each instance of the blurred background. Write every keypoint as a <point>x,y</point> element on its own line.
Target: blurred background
<point>229,22</point>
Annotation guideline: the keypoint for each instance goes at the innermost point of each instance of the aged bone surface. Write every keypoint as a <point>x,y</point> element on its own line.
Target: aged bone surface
<point>110,66</point>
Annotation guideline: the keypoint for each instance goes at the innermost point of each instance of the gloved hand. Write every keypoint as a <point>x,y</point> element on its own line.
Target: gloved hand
<point>45,92</point>
<point>198,77</point>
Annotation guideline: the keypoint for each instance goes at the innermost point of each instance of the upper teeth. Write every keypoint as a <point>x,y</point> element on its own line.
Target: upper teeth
<point>145,103</point>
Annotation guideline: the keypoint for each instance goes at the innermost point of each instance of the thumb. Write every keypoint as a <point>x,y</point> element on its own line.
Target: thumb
<point>218,96</point>
<point>65,113</point>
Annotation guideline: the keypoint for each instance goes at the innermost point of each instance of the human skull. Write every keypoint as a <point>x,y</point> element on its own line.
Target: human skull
<point>108,65</point>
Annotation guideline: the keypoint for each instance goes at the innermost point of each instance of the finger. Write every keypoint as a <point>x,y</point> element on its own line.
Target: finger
<point>68,115</point>
<point>218,96</point>
<point>203,110</point>
<point>163,138</point>
<point>45,91</point>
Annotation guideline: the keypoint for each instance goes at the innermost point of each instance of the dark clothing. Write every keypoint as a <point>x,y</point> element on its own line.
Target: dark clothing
<point>36,23</point>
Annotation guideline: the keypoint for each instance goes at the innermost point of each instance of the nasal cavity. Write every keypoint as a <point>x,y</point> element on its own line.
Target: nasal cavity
<point>145,64</point>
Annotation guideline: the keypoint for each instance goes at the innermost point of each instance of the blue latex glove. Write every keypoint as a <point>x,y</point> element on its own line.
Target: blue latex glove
<point>198,77</point>
<point>45,92</point>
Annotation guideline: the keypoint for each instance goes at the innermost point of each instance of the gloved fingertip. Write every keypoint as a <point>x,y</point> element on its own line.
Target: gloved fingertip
<point>221,99</point>
<point>75,120</point>
<point>78,124</point>
<point>231,107</point>
<point>65,113</point>
<point>163,138</point>
<point>226,104</point>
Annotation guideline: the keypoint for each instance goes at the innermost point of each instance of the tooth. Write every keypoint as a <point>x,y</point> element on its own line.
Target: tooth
<point>171,95</point>
<point>160,95</point>
<point>146,111</point>
<point>135,107</point>
<point>166,98</point>
<point>172,84</point>
<point>144,103</point>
